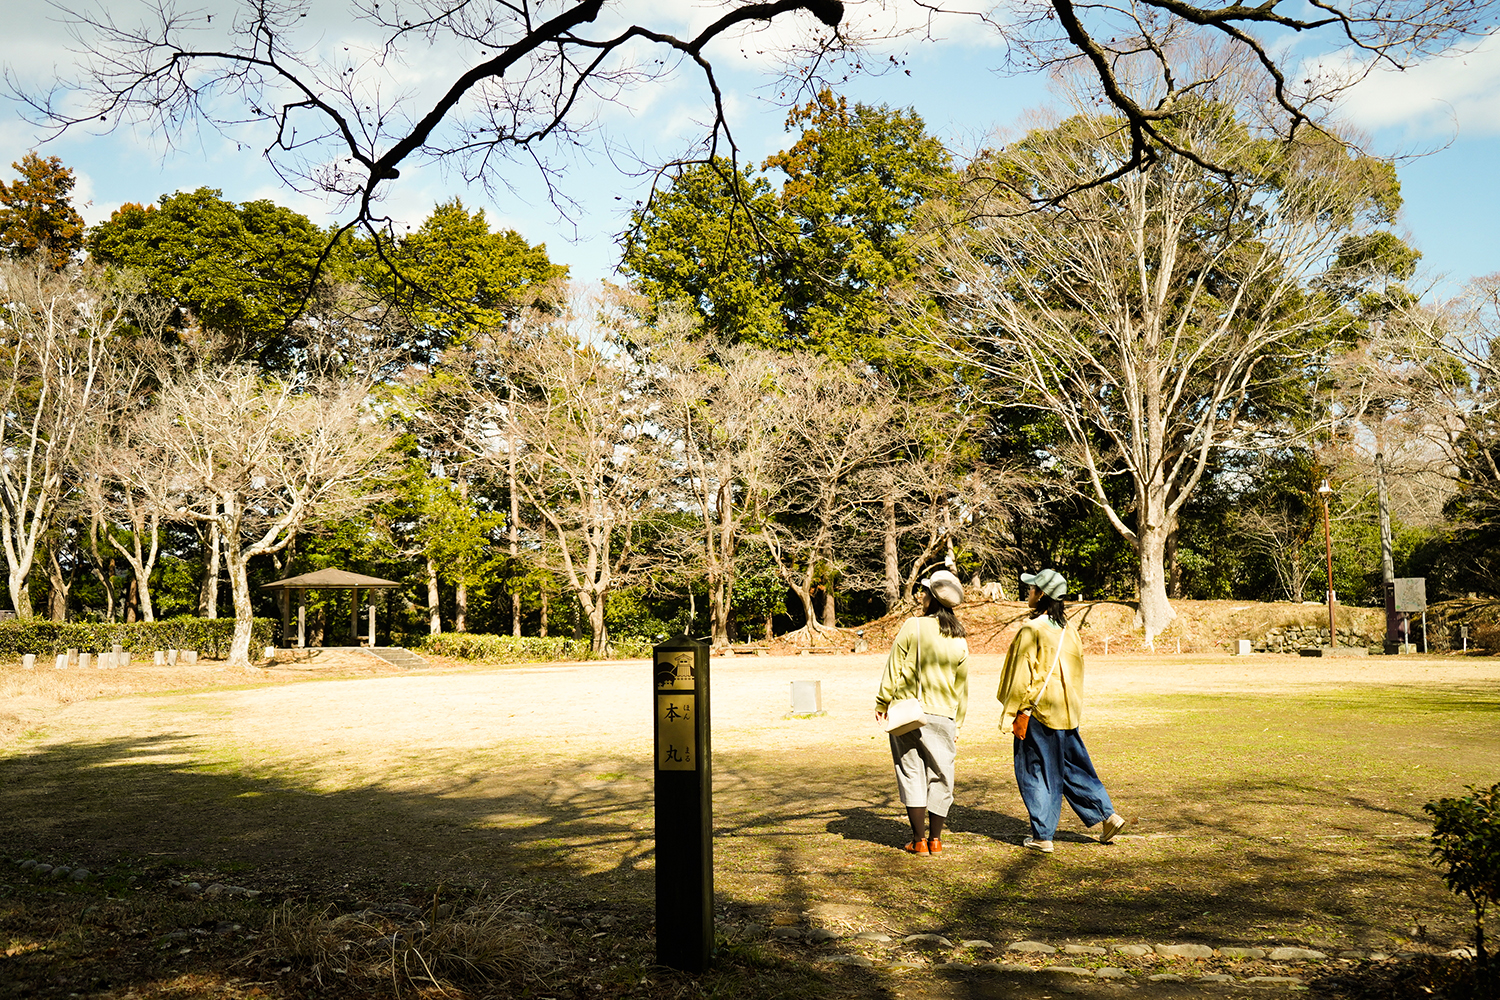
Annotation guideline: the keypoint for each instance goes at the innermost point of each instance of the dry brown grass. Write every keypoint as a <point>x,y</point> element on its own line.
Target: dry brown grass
<point>485,947</point>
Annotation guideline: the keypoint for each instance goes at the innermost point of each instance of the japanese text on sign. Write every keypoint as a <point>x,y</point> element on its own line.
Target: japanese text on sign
<point>676,742</point>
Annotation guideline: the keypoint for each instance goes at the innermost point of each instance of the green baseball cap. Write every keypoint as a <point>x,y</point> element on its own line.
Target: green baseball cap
<point>1049,582</point>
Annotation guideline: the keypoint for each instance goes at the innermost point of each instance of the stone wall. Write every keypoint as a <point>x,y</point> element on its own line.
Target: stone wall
<point>1288,638</point>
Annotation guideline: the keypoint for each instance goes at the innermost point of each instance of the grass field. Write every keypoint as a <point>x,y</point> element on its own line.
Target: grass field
<point>1278,802</point>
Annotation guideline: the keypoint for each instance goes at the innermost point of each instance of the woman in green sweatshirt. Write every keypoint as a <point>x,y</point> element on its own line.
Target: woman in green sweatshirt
<point>929,660</point>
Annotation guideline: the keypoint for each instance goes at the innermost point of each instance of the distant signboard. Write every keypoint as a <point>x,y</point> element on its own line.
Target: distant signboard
<point>1411,593</point>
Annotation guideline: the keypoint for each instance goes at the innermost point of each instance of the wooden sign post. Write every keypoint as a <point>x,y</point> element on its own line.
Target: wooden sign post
<point>684,806</point>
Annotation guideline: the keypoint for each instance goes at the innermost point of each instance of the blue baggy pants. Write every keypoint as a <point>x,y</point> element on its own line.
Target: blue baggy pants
<point>1052,765</point>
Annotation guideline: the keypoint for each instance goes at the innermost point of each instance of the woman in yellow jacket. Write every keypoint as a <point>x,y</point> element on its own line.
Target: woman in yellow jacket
<point>929,659</point>
<point>1041,689</point>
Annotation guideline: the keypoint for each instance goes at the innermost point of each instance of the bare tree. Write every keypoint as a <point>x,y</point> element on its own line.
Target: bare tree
<point>527,79</point>
<point>260,458</point>
<point>529,74</point>
<point>592,459</point>
<point>60,335</point>
<point>835,423</point>
<point>717,400</point>
<point>939,498</point>
<point>1161,316</point>
<point>1423,388</point>
<point>1129,50</point>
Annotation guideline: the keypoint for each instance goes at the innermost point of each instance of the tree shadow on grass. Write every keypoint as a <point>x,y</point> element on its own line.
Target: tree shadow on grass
<point>790,836</point>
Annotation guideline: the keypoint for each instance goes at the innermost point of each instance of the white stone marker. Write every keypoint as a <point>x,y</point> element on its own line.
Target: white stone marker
<point>29,661</point>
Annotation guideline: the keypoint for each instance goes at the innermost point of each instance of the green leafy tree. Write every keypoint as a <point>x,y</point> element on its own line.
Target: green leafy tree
<point>239,275</point>
<point>855,179</point>
<point>37,217</point>
<point>712,240</point>
<point>1466,844</point>
<point>455,275</point>
<point>814,264</point>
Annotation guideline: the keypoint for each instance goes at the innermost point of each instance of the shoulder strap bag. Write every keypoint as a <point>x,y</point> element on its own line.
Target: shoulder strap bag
<point>1023,717</point>
<point>907,714</point>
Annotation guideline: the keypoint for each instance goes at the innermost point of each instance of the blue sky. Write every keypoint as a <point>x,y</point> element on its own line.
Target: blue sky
<point>1447,109</point>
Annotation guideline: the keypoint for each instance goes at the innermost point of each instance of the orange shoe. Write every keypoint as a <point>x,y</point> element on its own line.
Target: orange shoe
<point>934,845</point>
<point>917,847</point>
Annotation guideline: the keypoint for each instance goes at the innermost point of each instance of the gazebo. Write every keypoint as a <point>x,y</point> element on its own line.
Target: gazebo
<point>325,579</point>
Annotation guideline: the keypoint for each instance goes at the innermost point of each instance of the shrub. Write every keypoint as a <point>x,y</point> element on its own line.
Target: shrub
<point>520,649</point>
<point>209,636</point>
<point>1466,841</point>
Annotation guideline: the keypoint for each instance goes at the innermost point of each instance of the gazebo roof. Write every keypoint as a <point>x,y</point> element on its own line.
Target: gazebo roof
<point>330,579</point>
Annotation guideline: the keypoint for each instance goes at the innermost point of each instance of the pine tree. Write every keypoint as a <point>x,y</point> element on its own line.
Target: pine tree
<point>36,214</point>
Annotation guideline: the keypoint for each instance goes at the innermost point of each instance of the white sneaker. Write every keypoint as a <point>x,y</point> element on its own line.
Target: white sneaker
<point>1112,826</point>
<point>1043,846</point>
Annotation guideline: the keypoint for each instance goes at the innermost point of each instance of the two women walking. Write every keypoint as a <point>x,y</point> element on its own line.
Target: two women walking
<point>1041,691</point>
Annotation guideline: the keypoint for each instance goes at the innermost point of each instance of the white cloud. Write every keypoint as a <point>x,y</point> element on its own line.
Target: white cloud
<point>1445,94</point>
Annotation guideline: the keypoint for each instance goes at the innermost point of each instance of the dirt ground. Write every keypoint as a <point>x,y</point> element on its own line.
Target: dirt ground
<point>366,709</point>
<point>1277,798</point>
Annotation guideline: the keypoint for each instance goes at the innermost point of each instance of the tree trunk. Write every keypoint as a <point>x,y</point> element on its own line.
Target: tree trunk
<point>461,606</point>
<point>434,610</point>
<point>596,622</point>
<point>244,614</point>
<point>514,528</point>
<point>208,595</point>
<point>544,602</point>
<point>1153,522</point>
<point>721,570</point>
<point>59,585</point>
<point>891,551</point>
<point>804,595</point>
<point>830,619</point>
<point>132,600</point>
<point>1173,567</point>
<point>20,597</point>
<point>1387,559</point>
<point>1155,611</point>
<point>107,583</point>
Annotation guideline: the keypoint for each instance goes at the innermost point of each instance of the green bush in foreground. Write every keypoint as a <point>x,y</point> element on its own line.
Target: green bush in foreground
<point>1466,841</point>
<point>209,636</point>
<point>521,649</point>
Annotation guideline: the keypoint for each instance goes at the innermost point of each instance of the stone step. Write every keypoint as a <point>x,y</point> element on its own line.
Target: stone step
<point>400,657</point>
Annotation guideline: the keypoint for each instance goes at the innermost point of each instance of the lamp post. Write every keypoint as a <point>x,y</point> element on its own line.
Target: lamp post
<point>1325,491</point>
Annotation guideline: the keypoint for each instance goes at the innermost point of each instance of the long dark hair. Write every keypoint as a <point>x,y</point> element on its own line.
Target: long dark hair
<point>1054,608</point>
<point>948,623</point>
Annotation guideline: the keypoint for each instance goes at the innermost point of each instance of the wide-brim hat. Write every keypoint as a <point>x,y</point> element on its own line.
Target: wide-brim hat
<point>1049,582</point>
<point>945,587</point>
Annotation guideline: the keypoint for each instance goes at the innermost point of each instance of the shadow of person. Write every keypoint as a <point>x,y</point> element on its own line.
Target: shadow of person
<point>1005,827</point>
<point>890,830</point>
<point>870,826</point>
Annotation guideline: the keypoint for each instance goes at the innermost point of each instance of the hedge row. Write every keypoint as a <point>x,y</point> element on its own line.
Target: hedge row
<point>520,649</point>
<point>211,637</point>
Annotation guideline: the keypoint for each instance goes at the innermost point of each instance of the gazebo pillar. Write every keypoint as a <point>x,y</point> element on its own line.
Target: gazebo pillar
<point>354,616</point>
<point>301,619</point>
<point>372,621</point>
